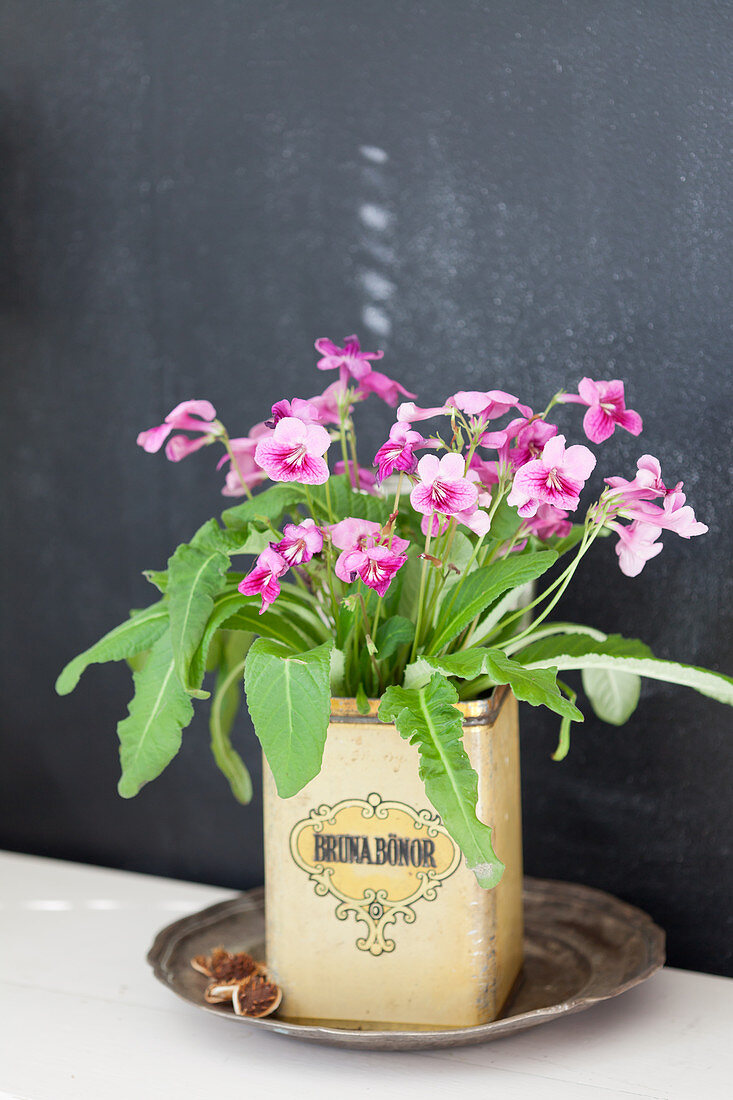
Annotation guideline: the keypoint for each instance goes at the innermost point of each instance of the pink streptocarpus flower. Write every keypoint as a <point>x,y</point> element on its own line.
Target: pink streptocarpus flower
<point>353,364</point>
<point>362,553</point>
<point>307,411</point>
<point>263,580</point>
<point>674,515</point>
<point>376,565</point>
<point>244,470</point>
<point>409,413</point>
<point>529,441</point>
<point>488,472</point>
<point>549,521</point>
<point>487,404</point>
<point>350,532</point>
<point>361,478</point>
<point>556,477</point>
<point>647,483</point>
<point>350,360</point>
<point>606,408</point>
<point>300,542</point>
<point>443,486</point>
<point>189,416</point>
<point>327,403</point>
<point>636,546</point>
<point>294,452</point>
<point>398,453</point>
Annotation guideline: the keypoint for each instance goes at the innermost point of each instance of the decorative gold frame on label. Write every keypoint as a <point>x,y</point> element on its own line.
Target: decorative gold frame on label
<point>375,907</point>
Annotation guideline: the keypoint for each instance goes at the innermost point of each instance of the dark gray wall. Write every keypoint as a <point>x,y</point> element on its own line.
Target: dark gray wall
<point>187,203</point>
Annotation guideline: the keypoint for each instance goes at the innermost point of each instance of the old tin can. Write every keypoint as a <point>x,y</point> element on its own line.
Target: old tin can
<point>372,918</point>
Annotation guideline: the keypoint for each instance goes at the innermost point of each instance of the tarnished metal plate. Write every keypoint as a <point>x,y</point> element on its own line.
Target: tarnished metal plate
<point>581,946</point>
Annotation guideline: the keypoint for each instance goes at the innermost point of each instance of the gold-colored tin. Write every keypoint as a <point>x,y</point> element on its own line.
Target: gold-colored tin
<point>372,918</point>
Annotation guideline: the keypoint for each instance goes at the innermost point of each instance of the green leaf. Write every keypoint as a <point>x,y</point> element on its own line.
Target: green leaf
<point>624,655</point>
<point>228,694</point>
<point>134,636</point>
<point>157,577</point>
<point>270,505</point>
<point>427,718</point>
<point>289,700</point>
<point>362,700</point>
<point>195,577</point>
<point>280,627</point>
<point>505,522</point>
<point>563,744</point>
<point>538,687</point>
<point>613,695</point>
<point>338,672</point>
<point>482,587</point>
<point>392,634</point>
<point>150,736</point>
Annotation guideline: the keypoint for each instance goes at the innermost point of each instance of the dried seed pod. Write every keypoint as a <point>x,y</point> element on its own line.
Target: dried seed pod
<point>224,967</point>
<point>257,997</point>
<point>219,994</point>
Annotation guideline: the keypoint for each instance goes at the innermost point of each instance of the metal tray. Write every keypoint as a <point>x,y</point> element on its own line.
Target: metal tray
<point>581,946</point>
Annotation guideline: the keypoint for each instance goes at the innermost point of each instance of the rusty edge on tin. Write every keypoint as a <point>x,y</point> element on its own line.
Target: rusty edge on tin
<point>476,712</point>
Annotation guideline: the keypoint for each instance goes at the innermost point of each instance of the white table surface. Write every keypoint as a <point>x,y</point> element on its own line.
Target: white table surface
<point>82,1017</point>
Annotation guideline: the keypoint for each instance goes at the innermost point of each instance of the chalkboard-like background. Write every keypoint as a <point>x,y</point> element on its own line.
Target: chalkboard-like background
<point>507,194</point>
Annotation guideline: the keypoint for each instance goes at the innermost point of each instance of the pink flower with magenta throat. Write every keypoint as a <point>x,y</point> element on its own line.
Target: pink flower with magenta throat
<point>294,452</point>
<point>189,416</point>
<point>556,477</point>
<point>443,486</point>
<point>353,364</point>
<point>363,554</point>
<point>263,580</point>
<point>398,453</point>
<point>299,543</point>
<point>606,408</point>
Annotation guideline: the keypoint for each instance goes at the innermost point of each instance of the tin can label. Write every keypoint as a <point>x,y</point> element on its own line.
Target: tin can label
<point>377,859</point>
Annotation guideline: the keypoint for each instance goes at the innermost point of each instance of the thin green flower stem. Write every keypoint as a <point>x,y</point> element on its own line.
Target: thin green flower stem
<point>369,638</point>
<point>331,516</point>
<point>354,459</point>
<point>329,558</point>
<point>421,591</point>
<point>584,547</point>
<point>441,577</point>
<point>228,448</point>
<point>343,412</point>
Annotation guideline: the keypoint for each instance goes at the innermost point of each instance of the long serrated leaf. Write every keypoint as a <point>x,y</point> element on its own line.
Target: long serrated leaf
<point>537,687</point>
<point>134,636</point>
<point>150,736</point>
<point>427,718</point>
<point>195,577</point>
<point>625,655</point>
<point>289,701</point>
<point>481,588</point>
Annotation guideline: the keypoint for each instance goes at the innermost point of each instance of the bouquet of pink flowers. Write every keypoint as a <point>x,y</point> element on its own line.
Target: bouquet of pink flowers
<point>414,581</point>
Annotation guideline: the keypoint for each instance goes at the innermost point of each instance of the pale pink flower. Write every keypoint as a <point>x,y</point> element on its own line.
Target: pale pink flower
<point>488,472</point>
<point>307,411</point>
<point>350,360</point>
<point>606,408</point>
<point>350,532</point>
<point>443,486</point>
<point>300,542</point>
<point>646,485</point>
<point>674,515</point>
<point>364,479</point>
<point>636,546</point>
<point>294,452</point>
<point>556,477</point>
<point>245,469</point>
<point>487,404</point>
<point>263,580</point>
<point>398,453</point>
<point>376,565</point>
<point>384,387</point>
<point>189,416</point>
<point>549,521</point>
<point>327,403</point>
<point>408,412</point>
